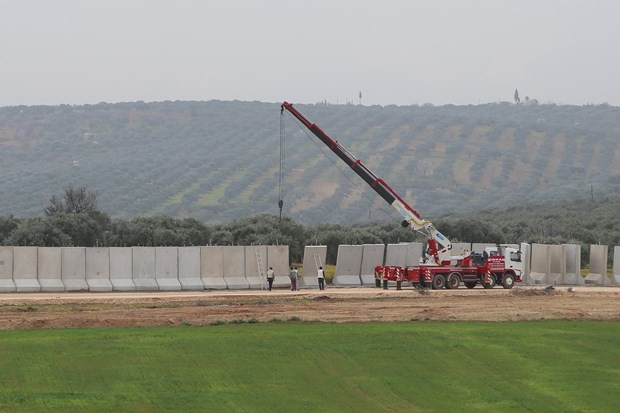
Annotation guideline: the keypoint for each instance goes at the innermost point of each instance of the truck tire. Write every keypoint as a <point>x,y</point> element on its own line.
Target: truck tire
<point>453,281</point>
<point>509,281</point>
<point>438,282</point>
<point>470,284</point>
<point>491,284</point>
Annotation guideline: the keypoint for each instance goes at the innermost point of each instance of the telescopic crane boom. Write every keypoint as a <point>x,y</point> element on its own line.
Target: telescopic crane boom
<point>439,246</point>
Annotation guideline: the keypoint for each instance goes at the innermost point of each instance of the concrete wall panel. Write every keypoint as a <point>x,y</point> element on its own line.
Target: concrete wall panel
<point>143,268</point>
<point>7,285</point>
<point>413,254</point>
<point>461,248</point>
<point>167,268</point>
<point>479,247</point>
<point>121,269</point>
<point>372,255</point>
<point>73,268</point>
<point>557,264</point>
<point>310,270</point>
<point>396,255</point>
<point>212,267</point>
<point>189,269</point>
<point>25,269</point>
<point>572,266</point>
<point>598,266</point>
<point>49,269</point>
<point>251,266</point>
<point>526,258</point>
<point>540,263</point>
<point>348,265</point>
<point>98,269</point>
<point>278,258</point>
<point>233,258</point>
<point>616,274</point>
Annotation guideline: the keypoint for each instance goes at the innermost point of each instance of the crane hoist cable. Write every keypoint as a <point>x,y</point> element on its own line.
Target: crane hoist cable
<point>282,154</point>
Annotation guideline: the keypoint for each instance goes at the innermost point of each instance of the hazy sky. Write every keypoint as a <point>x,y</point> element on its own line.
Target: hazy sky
<point>393,51</point>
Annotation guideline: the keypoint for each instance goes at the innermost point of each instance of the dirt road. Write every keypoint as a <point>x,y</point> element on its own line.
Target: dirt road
<point>58,310</point>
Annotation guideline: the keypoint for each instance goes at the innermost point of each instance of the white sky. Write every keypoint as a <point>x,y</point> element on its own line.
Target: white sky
<point>393,51</point>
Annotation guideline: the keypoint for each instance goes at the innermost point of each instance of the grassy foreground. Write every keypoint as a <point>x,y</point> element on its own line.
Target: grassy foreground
<point>551,366</point>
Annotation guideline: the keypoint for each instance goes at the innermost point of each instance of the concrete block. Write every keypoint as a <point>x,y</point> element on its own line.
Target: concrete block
<point>7,285</point>
<point>212,267</point>
<point>526,258</point>
<point>98,269</point>
<point>372,255</point>
<point>396,255</point>
<point>478,247</point>
<point>143,268</point>
<point>461,249</point>
<point>121,268</point>
<point>348,265</point>
<point>189,269</point>
<point>167,268</point>
<point>311,265</point>
<point>251,266</point>
<point>616,271</point>
<point>278,258</point>
<point>25,269</point>
<point>49,269</point>
<point>572,260</point>
<point>556,264</point>
<point>540,265</point>
<point>73,268</point>
<point>598,266</point>
<point>233,258</point>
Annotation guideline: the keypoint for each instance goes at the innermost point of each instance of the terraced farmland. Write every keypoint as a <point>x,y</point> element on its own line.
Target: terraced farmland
<point>216,161</point>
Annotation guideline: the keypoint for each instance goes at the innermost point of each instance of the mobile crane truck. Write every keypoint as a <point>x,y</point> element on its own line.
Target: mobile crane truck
<point>438,268</point>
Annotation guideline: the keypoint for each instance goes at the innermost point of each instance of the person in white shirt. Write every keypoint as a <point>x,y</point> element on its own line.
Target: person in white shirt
<point>321,275</point>
<point>270,276</point>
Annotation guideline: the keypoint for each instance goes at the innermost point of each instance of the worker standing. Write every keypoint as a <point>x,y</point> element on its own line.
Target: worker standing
<point>294,275</point>
<point>321,277</point>
<point>270,277</point>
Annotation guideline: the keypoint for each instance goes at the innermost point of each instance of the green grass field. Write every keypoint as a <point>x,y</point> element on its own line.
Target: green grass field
<point>550,366</point>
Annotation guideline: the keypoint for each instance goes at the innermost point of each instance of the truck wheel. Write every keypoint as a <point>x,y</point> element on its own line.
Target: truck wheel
<point>491,284</point>
<point>453,281</point>
<point>508,281</point>
<point>470,284</point>
<point>438,282</point>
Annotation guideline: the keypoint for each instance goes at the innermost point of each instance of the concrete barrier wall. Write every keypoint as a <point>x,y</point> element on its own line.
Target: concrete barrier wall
<point>212,267</point>
<point>189,269</point>
<point>7,285</point>
<point>25,269</point>
<point>121,269</point>
<point>372,255</point>
<point>396,255</point>
<point>310,270</point>
<point>73,268</point>
<point>539,271</point>
<point>233,259</point>
<point>526,258</point>
<point>278,258</point>
<point>598,266</point>
<point>616,274</point>
<point>461,248</point>
<point>143,268</point>
<point>251,266</point>
<point>572,266</point>
<point>49,272</point>
<point>98,269</point>
<point>348,265</point>
<point>557,264</point>
<point>167,268</point>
